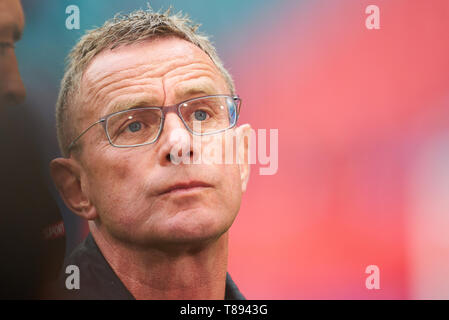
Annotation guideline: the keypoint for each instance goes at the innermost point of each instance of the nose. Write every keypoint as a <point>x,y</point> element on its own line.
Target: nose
<point>176,140</point>
<point>12,90</point>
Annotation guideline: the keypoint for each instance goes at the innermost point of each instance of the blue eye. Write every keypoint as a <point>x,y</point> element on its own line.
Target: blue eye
<point>135,126</point>
<point>200,115</point>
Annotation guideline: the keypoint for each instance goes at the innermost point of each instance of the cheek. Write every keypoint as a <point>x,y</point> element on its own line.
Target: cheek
<point>221,150</point>
<point>109,171</point>
<point>117,188</point>
<point>113,181</point>
<point>9,73</point>
<point>230,160</point>
<point>230,186</point>
<point>116,167</point>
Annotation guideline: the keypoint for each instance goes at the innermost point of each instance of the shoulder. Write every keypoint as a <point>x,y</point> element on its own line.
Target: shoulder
<point>232,292</point>
<point>87,276</point>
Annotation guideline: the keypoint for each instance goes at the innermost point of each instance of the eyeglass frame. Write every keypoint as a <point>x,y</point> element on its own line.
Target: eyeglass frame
<point>164,110</point>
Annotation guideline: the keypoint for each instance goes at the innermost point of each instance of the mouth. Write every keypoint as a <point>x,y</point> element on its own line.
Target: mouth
<point>186,187</point>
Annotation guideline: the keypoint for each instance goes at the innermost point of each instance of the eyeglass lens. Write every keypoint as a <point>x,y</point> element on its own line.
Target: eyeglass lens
<point>202,116</point>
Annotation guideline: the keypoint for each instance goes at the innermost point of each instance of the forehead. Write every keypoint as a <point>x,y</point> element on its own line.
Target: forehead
<point>158,65</point>
<point>11,19</point>
<point>158,52</point>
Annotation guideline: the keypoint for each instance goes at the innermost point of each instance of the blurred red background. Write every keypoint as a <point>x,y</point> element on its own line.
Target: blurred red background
<point>357,111</point>
<point>363,123</point>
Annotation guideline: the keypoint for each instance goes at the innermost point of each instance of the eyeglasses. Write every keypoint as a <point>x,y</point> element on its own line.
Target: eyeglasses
<point>143,125</point>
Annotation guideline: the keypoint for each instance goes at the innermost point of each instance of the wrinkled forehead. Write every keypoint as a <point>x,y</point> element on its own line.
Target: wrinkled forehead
<point>147,73</point>
<point>158,52</point>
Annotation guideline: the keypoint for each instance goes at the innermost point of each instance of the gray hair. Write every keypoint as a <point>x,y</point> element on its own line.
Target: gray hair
<point>122,30</point>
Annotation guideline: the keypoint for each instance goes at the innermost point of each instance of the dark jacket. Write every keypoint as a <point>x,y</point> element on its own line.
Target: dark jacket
<point>99,282</point>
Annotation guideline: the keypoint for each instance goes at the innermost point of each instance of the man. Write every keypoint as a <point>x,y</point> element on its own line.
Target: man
<point>136,94</point>
<point>32,238</point>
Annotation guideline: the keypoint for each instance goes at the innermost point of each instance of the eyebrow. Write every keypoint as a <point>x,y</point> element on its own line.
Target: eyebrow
<point>191,92</point>
<point>181,95</point>
<point>131,103</point>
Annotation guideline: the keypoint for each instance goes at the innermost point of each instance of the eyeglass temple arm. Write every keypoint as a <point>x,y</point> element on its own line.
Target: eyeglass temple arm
<point>82,133</point>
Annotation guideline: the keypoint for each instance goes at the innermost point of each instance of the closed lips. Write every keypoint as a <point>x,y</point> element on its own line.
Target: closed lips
<point>186,186</point>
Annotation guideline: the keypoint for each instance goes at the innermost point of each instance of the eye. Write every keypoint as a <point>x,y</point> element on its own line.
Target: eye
<point>200,115</point>
<point>135,126</point>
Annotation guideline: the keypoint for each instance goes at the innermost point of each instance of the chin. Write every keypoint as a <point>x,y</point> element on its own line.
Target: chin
<point>194,226</point>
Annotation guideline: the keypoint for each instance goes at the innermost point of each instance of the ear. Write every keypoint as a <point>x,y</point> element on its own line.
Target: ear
<point>66,175</point>
<point>243,145</point>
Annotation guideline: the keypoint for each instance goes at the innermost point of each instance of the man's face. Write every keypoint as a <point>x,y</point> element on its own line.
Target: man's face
<point>12,22</point>
<point>126,185</point>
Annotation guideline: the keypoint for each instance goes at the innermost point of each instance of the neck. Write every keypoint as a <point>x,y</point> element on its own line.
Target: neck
<point>192,273</point>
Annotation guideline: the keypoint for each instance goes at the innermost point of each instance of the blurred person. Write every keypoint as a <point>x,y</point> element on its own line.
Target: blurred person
<point>32,239</point>
<point>12,21</point>
<point>132,97</point>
